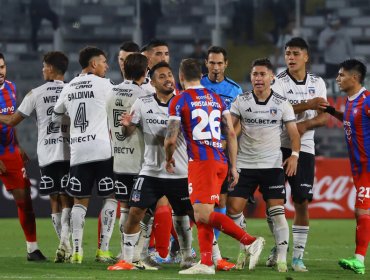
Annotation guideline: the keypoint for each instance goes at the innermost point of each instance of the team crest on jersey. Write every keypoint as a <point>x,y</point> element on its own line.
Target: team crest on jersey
<point>273,111</point>
<point>311,91</point>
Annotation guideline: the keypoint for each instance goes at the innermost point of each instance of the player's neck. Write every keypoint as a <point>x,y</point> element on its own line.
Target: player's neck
<point>140,81</point>
<point>262,95</point>
<point>188,84</point>
<point>299,74</point>
<point>353,91</point>
<point>163,98</point>
<point>56,77</point>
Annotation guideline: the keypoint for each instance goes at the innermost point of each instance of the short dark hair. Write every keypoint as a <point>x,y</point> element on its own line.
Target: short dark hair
<point>129,46</point>
<point>157,66</point>
<point>355,65</point>
<point>191,69</point>
<point>135,66</point>
<point>297,42</point>
<point>2,56</point>
<point>58,60</point>
<point>217,49</point>
<point>87,53</point>
<point>155,43</point>
<point>263,62</point>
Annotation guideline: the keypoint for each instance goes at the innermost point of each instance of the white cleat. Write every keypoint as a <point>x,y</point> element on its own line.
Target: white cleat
<point>199,269</point>
<point>272,258</point>
<point>187,262</point>
<point>254,250</point>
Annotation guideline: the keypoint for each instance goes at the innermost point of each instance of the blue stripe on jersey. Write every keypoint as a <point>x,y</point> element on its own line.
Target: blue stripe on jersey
<point>354,136</point>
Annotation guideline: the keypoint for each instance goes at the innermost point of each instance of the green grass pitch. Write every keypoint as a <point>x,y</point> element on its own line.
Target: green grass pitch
<point>328,241</point>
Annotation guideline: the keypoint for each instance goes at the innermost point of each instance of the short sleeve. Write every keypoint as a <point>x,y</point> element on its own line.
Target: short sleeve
<point>135,109</point>
<point>28,105</point>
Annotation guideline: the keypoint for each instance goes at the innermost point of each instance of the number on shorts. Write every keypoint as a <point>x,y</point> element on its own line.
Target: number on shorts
<point>212,120</point>
<point>80,119</point>
<point>362,191</point>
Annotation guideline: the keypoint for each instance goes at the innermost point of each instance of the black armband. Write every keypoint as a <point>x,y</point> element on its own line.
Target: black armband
<point>331,110</point>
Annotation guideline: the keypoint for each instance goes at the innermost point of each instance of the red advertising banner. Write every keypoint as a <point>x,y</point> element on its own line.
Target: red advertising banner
<point>333,192</point>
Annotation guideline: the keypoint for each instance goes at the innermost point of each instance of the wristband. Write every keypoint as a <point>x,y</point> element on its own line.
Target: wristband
<point>330,110</point>
<point>294,153</point>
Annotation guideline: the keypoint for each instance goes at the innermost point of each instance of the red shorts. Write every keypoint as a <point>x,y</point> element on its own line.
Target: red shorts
<point>15,176</point>
<point>362,183</point>
<point>205,180</point>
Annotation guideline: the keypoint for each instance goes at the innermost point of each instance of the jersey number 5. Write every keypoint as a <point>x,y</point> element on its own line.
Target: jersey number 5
<point>80,119</point>
<point>209,125</point>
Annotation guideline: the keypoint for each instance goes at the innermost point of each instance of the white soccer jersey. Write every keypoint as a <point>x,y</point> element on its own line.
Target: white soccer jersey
<point>152,116</point>
<point>84,100</point>
<point>261,124</point>
<point>147,86</point>
<point>297,92</point>
<point>53,139</point>
<point>127,151</point>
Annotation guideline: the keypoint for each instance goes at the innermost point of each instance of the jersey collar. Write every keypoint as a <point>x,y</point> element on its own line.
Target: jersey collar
<point>261,102</point>
<point>295,81</point>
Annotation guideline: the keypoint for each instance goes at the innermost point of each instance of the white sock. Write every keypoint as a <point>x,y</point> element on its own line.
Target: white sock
<point>122,220</point>
<point>108,217</point>
<point>361,258</point>
<point>56,219</point>
<point>129,246</point>
<point>31,246</point>
<point>216,254</point>
<point>281,231</point>
<point>65,232</point>
<point>146,230</point>
<point>184,233</point>
<point>269,222</point>
<point>239,220</point>
<point>78,214</point>
<point>300,234</point>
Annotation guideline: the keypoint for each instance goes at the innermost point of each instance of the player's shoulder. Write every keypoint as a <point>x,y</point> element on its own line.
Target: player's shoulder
<point>245,96</point>
<point>314,78</point>
<point>277,98</point>
<point>146,98</point>
<point>232,83</point>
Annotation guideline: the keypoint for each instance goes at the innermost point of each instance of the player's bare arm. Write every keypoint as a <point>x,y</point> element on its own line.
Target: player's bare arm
<point>170,143</point>
<point>126,121</point>
<point>11,120</point>
<point>2,167</point>
<point>332,111</point>
<point>291,162</point>
<point>320,120</point>
<point>232,146</point>
<point>317,103</point>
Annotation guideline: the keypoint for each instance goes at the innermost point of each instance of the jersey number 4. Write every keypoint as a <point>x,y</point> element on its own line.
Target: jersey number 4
<point>80,119</point>
<point>208,126</point>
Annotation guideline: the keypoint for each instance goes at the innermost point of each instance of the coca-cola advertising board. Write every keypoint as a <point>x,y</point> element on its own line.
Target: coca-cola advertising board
<point>333,192</point>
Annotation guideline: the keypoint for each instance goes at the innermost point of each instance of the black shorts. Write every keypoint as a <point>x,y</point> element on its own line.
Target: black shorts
<point>302,183</point>
<point>54,178</point>
<point>83,177</point>
<point>225,186</point>
<point>124,184</point>
<point>270,181</point>
<point>148,190</point>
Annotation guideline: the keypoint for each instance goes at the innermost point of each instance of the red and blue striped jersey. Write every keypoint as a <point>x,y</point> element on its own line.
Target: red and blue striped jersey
<point>356,123</point>
<point>200,112</point>
<point>7,107</point>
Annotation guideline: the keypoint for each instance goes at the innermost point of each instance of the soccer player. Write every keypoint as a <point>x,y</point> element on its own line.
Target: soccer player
<point>199,112</point>
<point>307,93</point>
<point>128,149</point>
<point>84,100</point>
<point>356,124</point>
<point>52,145</point>
<point>13,174</point>
<point>217,82</point>
<point>125,50</point>
<point>150,113</point>
<point>262,113</point>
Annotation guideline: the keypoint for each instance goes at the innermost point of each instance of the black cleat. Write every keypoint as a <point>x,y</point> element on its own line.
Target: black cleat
<point>36,256</point>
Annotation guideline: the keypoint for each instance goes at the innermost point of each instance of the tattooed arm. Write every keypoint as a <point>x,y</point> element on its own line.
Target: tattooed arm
<point>170,143</point>
<point>232,147</point>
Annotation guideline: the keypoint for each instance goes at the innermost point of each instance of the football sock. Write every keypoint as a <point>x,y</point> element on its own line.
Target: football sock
<point>239,220</point>
<point>56,220</point>
<point>122,220</point>
<point>129,246</point>
<point>205,237</point>
<point>163,224</point>
<point>269,222</point>
<point>227,225</point>
<point>146,226</point>
<point>26,218</point>
<point>300,234</point>
<point>184,233</point>
<point>222,211</point>
<point>65,223</point>
<point>108,217</point>
<point>78,214</point>
<point>216,254</point>
<point>99,229</point>
<point>362,235</point>
<point>281,231</point>
<point>31,246</point>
